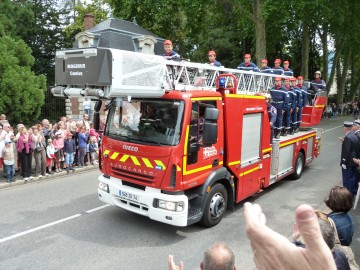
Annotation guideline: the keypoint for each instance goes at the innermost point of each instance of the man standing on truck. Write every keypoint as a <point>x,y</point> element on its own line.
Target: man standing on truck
<point>287,70</point>
<point>212,59</point>
<point>349,150</point>
<point>291,106</point>
<point>272,116</point>
<point>264,67</point>
<point>247,65</point>
<point>316,86</point>
<point>169,53</point>
<point>280,100</point>
<point>294,121</point>
<point>277,69</point>
<point>303,101</point>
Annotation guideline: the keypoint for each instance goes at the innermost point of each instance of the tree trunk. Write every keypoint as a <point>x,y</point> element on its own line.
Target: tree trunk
<point>342,76</point>
<point>305,50</point>
<point>260,33</point>
<point>325,60</point>
<point>338,48</point>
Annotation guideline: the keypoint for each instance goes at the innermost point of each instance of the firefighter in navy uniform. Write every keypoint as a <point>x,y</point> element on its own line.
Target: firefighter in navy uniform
<point>303,101</point>
<point>247,65</point>
<point>356,130</point>
<point>277,69</point>
<point>290,108</point>
<point>287,70</point>
<point>349,151</point>
<point>169,53</point>
<point>280,100</point>
<point>264,67</point>
<point>272,116</point>
<point>294,118</point>
<point>212,59</point>
<point>316,86</point>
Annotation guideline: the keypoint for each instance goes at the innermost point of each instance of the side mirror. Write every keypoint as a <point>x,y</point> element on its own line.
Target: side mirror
<point>210,134</point>
<point>211,114</point>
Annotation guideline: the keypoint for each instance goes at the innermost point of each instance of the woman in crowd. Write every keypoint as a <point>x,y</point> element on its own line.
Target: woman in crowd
<point>25,148</point>
<point>39,151</point>
<point>340,201</point>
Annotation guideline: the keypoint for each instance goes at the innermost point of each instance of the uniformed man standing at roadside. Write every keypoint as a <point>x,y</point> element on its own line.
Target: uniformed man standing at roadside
<point>303,101</point>
<point>349,151</point>
<point>298,99</point>
<point>280,100</point>
<point>290,108</point>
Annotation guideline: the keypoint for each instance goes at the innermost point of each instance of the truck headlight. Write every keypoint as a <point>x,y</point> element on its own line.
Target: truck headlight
<point>171,206</point>
<point>104,187</point>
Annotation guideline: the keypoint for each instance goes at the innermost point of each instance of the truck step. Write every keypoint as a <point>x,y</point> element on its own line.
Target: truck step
<point>192,196</point>
<point>194,212</point>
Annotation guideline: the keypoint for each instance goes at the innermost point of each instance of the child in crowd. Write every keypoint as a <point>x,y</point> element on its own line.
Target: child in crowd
<point>69,151</point>
<point>59,150</point>
<point>50,155</point>
<point>94,150</point>
<point>9,160</point>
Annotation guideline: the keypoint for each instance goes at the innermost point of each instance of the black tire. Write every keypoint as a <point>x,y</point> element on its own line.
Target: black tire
<point>299,166</point>
<point>215,206</point>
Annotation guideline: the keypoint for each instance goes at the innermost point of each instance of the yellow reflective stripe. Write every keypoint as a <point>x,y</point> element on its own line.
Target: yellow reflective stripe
<point>297,140</point>
<point>114,155</point>
<point>159,163</point>
<point>234,163</point>
<point>249,171</point>
<point>135,160</point>
<point>198,169</point>
<point>124,158</point>
<point>106,152</point>
<point>186,140</point>
<point>266,150</point>
<point>221,162</point>
<point>147,163</point>
<point>178,168</point>
<point>206,98</point>
<point>319,106</point>
<point>244,96</point>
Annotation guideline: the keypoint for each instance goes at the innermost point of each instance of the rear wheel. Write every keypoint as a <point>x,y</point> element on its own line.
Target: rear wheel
<point>215,206</point>
<point>299,166</point>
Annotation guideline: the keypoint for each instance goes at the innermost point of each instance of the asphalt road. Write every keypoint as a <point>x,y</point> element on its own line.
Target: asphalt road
<point>60,223</point>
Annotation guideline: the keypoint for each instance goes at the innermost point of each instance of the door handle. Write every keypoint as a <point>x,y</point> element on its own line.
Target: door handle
<point>215,163</point>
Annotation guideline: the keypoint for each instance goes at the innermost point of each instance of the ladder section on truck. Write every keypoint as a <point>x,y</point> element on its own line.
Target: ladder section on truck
<point>185,75</point>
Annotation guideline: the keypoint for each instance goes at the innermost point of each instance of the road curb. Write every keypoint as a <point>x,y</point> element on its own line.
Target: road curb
<point>4,184</point>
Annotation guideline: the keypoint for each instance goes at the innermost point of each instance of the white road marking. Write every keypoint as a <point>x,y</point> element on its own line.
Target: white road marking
<point>332,129</point>
<point>2,240</point>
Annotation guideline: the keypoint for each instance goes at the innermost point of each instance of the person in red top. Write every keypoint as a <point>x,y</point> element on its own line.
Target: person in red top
<point>25,148</point>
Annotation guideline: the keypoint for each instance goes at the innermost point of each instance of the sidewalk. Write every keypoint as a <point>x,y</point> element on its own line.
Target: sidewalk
<point>20,181</point>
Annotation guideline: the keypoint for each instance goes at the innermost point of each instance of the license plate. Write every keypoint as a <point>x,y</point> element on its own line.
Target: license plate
<point>128,196</point>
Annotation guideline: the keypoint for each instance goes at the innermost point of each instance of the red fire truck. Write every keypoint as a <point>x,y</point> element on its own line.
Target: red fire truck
<point>183,141</point>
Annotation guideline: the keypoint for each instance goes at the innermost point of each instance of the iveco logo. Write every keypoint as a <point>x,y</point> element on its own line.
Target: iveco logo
<point>130,148</point>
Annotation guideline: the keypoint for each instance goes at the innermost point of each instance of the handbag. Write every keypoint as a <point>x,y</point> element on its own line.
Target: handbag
<point>345,249</point>
<point>39,147</point>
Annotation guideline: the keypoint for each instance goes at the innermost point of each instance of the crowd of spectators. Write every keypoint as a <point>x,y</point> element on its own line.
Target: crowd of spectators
<point>45,148</point>
<point>333,110</point>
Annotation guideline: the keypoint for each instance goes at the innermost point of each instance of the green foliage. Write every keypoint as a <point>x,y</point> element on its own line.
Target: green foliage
<point>22,92</point>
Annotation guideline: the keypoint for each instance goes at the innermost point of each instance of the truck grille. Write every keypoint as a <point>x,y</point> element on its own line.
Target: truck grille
<point>146,179</point>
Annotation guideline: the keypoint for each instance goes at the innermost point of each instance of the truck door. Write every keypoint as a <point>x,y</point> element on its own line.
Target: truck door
<point>250,153</point>
<point>204,159</point>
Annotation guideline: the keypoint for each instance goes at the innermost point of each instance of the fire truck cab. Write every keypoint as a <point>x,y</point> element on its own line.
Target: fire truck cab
<point>183,141</point>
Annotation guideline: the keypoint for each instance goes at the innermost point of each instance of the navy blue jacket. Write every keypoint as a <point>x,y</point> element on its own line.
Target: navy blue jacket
<point>298,96</point>
<point>292,98</point>
<point>278,71</point>
<point>318,85</point>
<point>303,94</point>
<point>250,67</point>
<point>172,55</point>
<point>266,69</point>
<point>344,226</point>
<point>216,63</point>
<point>349,150</point>
<point>280,97</point>
<point>69,146</point>
<point>288,72</point>
<point>272,112</point>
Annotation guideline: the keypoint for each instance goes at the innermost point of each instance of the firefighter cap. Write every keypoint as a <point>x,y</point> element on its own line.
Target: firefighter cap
<point>278,78</point>
<point>277,61</point>
<point>286,62</point>
<point>167,42</point>
<point>357,122</point>
<point>300,78</point>
<point>212,53</point>
<point>318,72</point>
<point>264,61</point>
<point>247,55</point>
<point>348,124</point>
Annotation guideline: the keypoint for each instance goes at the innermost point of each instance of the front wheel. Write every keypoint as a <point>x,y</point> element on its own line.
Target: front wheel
<point>215,206</point>
<point>299,166</point>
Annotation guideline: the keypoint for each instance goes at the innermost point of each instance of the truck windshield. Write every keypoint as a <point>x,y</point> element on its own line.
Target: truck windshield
<point>146,121</point>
